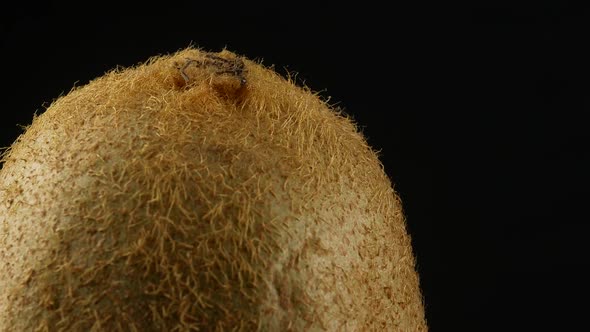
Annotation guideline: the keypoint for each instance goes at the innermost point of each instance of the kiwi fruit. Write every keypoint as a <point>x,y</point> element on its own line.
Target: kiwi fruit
<point>200,191</point>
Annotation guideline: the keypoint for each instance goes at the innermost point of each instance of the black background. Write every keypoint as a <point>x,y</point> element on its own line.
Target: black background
<point>479,113</point>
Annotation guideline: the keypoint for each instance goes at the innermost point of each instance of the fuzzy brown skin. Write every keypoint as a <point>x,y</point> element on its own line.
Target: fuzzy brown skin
<point>212,195</point>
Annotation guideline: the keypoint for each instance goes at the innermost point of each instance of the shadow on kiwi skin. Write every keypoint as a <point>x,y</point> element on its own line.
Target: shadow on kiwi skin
<point>112,271</point>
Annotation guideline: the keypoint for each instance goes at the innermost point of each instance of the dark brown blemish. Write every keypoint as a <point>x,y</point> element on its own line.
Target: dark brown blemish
<point>221,66</point>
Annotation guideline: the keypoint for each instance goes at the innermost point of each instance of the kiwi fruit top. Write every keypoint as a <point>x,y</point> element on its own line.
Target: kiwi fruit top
<point>200,191</point>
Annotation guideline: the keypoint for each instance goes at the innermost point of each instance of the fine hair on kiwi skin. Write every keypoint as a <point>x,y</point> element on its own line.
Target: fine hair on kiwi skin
<point>200,191</point>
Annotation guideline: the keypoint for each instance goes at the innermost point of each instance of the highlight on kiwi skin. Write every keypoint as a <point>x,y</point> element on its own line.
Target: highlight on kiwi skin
<point>200,192</point>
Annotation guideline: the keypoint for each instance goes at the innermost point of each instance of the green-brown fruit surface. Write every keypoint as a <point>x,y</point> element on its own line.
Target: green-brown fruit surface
<point>200,192</point>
